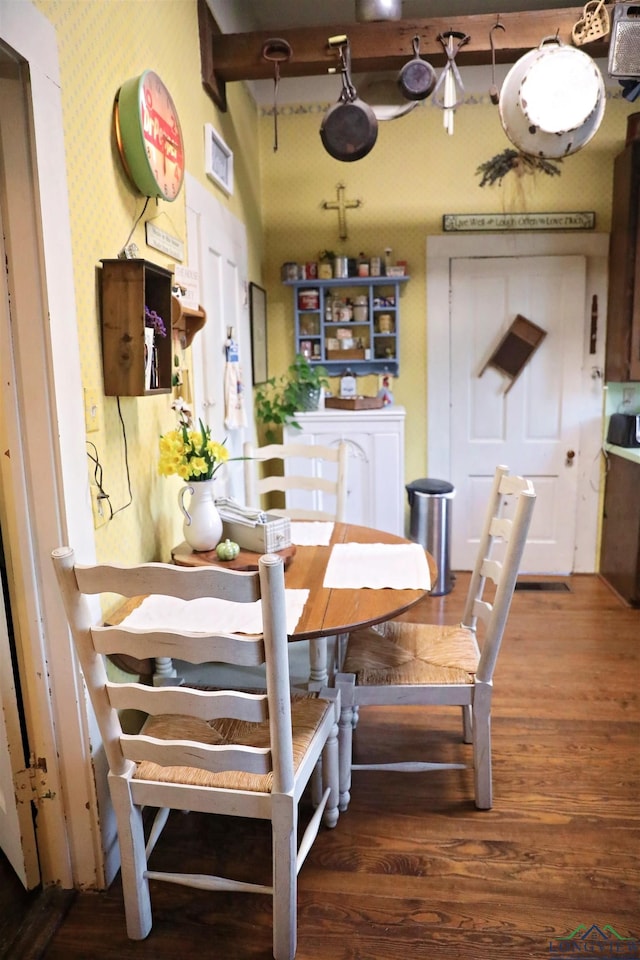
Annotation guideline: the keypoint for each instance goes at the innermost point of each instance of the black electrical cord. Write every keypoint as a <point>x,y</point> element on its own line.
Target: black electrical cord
<point>126,457</point>
<point>97,472</point>
<point>137,221</point>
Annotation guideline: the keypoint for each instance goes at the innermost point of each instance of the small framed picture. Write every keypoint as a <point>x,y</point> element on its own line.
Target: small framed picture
<point>258,317</point>
<point>218,159</point>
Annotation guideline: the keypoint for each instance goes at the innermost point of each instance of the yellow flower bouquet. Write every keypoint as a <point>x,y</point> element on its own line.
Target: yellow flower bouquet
<point>191,454</point>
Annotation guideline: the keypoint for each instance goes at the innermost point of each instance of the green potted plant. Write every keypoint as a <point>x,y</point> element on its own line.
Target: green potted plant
<point>279,399</point>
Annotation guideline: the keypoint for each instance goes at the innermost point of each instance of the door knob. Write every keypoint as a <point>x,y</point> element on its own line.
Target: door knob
<point>570,457</point>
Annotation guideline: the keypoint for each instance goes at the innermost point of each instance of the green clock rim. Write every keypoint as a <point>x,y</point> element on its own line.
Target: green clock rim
<point>132,138</point>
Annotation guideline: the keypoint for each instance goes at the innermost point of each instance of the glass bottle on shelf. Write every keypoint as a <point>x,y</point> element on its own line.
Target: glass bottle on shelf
<point>363,266</point>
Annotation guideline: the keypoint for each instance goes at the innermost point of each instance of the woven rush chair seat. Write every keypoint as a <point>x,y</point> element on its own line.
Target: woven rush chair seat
<point>430,665</point>
<point>395,652</point>
<point>307,714</point>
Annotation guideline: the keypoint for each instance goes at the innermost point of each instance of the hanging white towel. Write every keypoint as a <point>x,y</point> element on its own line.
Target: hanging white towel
<point>235,415</point>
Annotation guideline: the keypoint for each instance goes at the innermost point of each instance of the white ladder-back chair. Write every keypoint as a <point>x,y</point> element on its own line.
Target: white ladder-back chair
<point>319,477</point>
<point>324,480</point>
<point>215,751</point>
<point>401,663</point>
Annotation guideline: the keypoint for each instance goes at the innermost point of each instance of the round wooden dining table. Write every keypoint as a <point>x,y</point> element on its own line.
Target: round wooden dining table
<point>328,612</point>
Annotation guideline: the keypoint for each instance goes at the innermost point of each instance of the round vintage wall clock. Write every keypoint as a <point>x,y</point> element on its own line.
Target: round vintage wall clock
<point>149,137</point>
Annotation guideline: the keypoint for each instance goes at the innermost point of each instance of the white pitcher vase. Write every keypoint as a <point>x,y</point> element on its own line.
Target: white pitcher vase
<point>202,525</point>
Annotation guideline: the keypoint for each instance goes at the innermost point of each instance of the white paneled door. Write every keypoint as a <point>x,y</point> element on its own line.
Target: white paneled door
<point>218,251</point>
<point>535,427</point>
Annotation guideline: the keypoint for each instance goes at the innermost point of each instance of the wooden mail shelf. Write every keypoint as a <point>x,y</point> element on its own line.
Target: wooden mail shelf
<point>354,403</point>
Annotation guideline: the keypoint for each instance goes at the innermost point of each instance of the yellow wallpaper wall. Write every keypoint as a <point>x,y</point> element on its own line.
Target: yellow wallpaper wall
<point>414,174</point>
<point>102,44</point>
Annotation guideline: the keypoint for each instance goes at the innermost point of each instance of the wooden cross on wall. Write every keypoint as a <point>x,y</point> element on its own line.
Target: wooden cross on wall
<point>341,205</point>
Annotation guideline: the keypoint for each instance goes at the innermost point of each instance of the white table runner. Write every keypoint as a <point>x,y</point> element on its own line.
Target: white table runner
<point>311,533</point>
<point>378,565</point>
<point>209,614</point>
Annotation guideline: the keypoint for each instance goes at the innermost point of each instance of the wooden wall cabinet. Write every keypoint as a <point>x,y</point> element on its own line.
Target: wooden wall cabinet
<point>127,286</point>
<point>623,314</point>
<point>620,548</point>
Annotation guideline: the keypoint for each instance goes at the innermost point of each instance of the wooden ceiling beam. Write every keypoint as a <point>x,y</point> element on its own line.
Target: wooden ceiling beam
<point>381,46</point>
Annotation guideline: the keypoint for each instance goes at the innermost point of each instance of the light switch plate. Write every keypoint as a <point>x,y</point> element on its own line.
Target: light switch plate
<point>91,411</point>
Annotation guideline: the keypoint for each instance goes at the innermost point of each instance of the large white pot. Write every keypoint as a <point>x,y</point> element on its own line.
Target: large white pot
<point>202,527</point>
<point>552,100</point>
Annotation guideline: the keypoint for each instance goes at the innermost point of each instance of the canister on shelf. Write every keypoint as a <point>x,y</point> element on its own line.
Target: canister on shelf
<point>308,299</point>
<point>376,267</point>
<point>342,311</point>
<point>309,325</point>
<point>360,309</point>
<point>348,384</point>
<point>289,271</point>
<point>385,323</point>
<point>341,267</point>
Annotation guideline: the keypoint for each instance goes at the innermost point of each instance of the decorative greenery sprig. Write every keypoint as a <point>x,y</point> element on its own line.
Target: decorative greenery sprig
<point>503,163</point>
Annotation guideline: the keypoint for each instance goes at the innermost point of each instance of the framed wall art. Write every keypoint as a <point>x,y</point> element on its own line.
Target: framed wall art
<point>218,159</point>
<point>258,317</point>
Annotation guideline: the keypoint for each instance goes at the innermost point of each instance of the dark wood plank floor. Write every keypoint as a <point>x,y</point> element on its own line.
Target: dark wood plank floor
<point>413,869</point>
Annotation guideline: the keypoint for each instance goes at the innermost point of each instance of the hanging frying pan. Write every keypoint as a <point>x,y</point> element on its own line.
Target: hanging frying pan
<point>417,78</point>
<point>349,129</point>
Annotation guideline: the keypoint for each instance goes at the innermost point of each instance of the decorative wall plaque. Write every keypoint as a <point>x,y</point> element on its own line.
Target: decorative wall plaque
<point>464,222</point>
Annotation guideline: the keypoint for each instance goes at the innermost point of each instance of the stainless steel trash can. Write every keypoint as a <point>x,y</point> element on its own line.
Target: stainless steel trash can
<point>430,502</point>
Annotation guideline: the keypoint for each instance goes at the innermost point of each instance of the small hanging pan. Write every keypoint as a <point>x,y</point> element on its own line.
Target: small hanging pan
<point>349,129</point>
<point>417,78</point>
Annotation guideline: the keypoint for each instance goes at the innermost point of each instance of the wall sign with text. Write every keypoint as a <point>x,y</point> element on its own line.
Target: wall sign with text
<point>465,222</point>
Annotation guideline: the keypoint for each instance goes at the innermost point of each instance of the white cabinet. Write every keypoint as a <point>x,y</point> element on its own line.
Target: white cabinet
<point>375,469</point>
